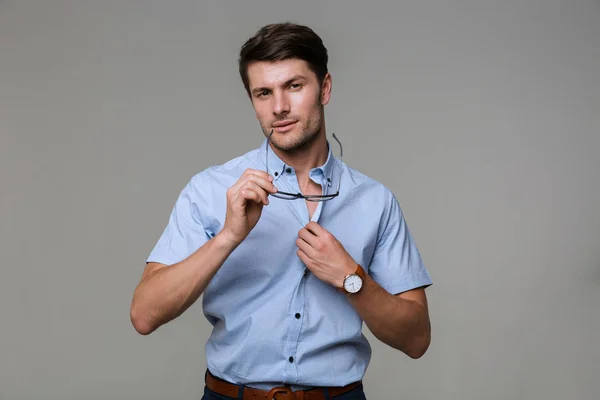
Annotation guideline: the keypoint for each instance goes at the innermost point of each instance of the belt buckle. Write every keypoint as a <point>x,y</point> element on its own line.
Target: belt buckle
<point>277,390</point>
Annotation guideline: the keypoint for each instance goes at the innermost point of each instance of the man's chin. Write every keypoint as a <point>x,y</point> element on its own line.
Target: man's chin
<point>291,142</point>
<point>285,146</point>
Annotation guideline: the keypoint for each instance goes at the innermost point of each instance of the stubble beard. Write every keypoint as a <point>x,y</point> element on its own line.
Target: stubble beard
<point>291,142</point>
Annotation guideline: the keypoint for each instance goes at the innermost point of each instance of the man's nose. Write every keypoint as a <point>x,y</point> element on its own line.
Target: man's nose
<point>281,104</point>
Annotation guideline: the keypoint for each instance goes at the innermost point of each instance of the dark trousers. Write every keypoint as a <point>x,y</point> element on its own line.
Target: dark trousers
<point>355,394</point>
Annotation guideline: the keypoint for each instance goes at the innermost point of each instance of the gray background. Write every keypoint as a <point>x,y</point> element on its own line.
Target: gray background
<point>481,116</point>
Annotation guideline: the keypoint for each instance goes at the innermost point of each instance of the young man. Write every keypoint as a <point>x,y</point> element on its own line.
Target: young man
<point>292,249</point>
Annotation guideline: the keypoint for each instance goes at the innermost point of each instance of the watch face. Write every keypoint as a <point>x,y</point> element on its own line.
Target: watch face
<point>353,283</point>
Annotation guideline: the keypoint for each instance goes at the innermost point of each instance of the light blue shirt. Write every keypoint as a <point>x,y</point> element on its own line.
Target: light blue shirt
<point>274,322</point>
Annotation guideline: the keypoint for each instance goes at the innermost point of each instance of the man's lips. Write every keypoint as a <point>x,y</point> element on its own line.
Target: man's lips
<point>284,126</point>
<point>280,124</point>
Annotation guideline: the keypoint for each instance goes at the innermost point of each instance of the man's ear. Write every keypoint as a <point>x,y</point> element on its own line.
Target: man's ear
<point>326,89</point>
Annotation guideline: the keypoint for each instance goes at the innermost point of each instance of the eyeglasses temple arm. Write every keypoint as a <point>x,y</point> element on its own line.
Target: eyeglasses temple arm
<point>340,143</point>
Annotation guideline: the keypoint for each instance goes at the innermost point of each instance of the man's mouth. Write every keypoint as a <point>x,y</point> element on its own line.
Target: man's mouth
<point>284,126</point>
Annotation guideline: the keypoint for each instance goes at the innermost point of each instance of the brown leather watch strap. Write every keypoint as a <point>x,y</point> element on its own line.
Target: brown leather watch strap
<point>360,271</point>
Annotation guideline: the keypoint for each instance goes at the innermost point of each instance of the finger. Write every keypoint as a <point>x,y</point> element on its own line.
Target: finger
<point>252,189</point>
<point>305,247</point>
<point>315,228</point>
<point>307,236</point>
<point>249,183</point>
<point>304,258</point>
<point>256,172</point>
<point>264,183</point>
<point>243,196</point>
<point>252,195</point>
<point>249,191</point>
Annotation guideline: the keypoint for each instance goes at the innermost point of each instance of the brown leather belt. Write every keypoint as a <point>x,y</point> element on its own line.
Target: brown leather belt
<point>278,393</point>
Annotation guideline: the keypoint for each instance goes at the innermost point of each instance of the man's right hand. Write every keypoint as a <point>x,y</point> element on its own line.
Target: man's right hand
<point>165,292</point>
<point>245,200</point>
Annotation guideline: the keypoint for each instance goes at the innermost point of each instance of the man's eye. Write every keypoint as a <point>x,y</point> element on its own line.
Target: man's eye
<point>295,86</point>
<point>263,93</point>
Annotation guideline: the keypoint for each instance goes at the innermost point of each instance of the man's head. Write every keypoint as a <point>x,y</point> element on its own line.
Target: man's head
<point>284,70</point>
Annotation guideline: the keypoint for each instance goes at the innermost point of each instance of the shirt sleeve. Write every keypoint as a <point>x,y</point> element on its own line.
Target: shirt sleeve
<point>396,264</point>
<point>184,233</point>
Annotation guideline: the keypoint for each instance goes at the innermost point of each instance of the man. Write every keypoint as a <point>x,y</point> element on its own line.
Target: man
<point>292,249</point>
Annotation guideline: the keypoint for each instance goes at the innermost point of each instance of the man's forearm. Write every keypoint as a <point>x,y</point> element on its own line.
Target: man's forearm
<point>167,292</point>
<point>400,323</point>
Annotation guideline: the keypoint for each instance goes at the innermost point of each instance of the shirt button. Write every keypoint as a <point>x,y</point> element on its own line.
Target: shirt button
<point>289,170</point>
<point>291,359</point>
<point>297,315</point>
<point>276,173</point>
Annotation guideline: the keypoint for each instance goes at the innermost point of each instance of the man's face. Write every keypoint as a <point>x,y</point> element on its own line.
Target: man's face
<point>287,98</point>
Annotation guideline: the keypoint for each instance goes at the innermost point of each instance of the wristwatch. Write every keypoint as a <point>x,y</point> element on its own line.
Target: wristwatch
<point>354,282</point>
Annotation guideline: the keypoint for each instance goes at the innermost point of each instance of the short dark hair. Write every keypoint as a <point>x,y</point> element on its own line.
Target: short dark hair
<point>276,42</point>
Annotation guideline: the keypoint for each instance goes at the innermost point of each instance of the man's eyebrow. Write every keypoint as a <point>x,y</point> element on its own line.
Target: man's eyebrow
<point>286,83</point>
<point>294,78</point>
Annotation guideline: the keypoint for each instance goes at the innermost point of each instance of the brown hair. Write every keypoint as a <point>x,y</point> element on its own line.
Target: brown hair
<point>276,42</point>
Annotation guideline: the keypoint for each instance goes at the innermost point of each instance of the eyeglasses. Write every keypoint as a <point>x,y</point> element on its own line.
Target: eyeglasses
<point>294,196</point>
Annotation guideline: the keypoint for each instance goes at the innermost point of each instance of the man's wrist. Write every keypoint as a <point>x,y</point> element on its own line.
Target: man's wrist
<point>349,269</point>
<point>225,239</point>
<point>355,275</point>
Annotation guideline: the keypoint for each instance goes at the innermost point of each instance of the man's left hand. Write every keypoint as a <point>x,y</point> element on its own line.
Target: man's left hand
<point>324,255</point>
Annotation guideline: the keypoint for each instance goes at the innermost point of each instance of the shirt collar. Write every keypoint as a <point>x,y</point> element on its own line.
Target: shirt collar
<point>277,167</point>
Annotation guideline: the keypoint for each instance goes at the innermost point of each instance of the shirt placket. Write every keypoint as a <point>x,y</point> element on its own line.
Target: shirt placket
<point>295,317</point>
<point>297,205</point>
